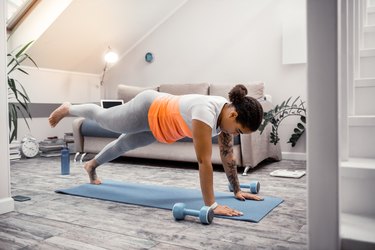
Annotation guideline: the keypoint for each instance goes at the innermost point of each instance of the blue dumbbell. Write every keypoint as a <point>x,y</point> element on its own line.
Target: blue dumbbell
<point>253,186</point>
<point>206,214</point>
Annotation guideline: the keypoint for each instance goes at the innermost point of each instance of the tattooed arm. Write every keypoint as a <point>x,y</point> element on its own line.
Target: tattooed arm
<point>230,167</point>
<point>203,148</point>
<point>227,158</point>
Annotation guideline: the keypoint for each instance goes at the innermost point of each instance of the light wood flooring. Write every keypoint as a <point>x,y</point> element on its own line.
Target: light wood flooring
<point>55,221</point>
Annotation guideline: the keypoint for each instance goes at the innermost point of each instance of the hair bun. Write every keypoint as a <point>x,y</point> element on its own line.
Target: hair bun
<point>238,93</point>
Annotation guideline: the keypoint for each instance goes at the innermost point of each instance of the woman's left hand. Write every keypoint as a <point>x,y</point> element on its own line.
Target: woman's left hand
<point>247,196</point>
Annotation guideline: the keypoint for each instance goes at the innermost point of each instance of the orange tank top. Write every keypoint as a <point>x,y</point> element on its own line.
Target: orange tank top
<point>165,120</point>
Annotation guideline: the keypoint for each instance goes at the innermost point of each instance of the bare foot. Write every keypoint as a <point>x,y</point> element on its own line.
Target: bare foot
<point>91,170</point>
<point>58,114</point>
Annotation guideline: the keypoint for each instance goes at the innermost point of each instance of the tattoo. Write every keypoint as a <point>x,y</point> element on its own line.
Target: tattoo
<point>226,145</point>
<point>227,158</point>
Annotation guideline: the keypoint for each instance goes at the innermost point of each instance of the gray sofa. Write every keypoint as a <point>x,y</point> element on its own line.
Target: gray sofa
<point>249,150</point>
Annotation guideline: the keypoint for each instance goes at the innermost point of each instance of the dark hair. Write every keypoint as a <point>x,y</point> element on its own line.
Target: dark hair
<point>250,112</point>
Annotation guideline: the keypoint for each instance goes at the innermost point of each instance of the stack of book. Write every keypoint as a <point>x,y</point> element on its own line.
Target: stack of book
<point>14,150</point>
<point>51,147</point>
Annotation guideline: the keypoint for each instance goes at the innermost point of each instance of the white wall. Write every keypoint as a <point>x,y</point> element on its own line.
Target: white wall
<point>218,41</point>
<point>54,86</point>
<point>6,202</point>
<point>51,87</point>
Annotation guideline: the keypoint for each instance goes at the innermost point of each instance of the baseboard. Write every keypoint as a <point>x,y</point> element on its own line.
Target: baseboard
<point>294,156</point>
<point>6,205</point>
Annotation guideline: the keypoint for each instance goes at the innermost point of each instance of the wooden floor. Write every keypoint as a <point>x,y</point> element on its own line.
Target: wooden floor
<point>56,221</point>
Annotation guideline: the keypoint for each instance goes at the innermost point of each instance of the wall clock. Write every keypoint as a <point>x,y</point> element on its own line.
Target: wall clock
<point>149,57</point>
<point>29,147</point>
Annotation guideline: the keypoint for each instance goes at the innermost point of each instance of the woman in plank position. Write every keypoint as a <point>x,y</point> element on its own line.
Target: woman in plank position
<point>153,115</point>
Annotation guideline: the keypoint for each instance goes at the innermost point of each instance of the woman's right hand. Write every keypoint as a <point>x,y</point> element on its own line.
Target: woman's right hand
<point>227,211</point>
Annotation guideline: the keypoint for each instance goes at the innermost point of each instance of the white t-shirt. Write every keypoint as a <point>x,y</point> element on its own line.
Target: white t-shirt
<point>204,108</point>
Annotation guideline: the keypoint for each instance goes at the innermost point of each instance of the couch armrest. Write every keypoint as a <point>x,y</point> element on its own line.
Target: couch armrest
<point>268,97</point>
<point>256,147</point>
<point>78,138</point>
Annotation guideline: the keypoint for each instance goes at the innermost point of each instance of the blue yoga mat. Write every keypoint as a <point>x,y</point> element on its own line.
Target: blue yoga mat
<point>166,196</point>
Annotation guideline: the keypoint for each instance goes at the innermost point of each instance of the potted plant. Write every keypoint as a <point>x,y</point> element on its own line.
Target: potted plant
<point>18,100</point>
<point>276,115</point>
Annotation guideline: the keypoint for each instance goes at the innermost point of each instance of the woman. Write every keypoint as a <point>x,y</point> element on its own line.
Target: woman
<point>153,115</point>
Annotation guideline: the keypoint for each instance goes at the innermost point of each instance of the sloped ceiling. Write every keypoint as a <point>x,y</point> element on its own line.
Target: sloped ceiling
<point>80,36</point>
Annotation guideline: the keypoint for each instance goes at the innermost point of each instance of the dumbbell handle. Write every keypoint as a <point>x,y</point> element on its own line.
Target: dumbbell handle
<point>241,186</point>
<point>192,212</point>
<point>245,185</point>
<point>253,186</point>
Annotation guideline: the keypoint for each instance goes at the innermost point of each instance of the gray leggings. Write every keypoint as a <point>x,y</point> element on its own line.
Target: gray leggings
<point>130,119</point>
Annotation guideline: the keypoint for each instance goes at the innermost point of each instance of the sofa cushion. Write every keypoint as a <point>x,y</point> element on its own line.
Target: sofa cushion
<point>183,89</point>
<point>255,89</point>
<point>127,92</point>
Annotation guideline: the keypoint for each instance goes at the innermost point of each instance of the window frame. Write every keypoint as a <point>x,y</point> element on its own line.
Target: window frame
<point>20,14</point>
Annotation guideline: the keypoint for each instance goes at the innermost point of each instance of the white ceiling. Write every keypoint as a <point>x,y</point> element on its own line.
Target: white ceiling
<point>80,36</point>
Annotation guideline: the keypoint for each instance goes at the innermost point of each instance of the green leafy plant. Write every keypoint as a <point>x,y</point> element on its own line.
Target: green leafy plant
<point>276,115</point>
<point>18,100</point>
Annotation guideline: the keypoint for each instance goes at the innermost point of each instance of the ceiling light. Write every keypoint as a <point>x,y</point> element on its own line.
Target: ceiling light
<point>111,57</point>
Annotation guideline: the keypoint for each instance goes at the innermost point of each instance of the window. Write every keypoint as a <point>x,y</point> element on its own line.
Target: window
<point>16,10</point>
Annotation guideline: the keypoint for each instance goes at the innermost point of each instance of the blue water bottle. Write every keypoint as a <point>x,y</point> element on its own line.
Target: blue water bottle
<point>65,161</point>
